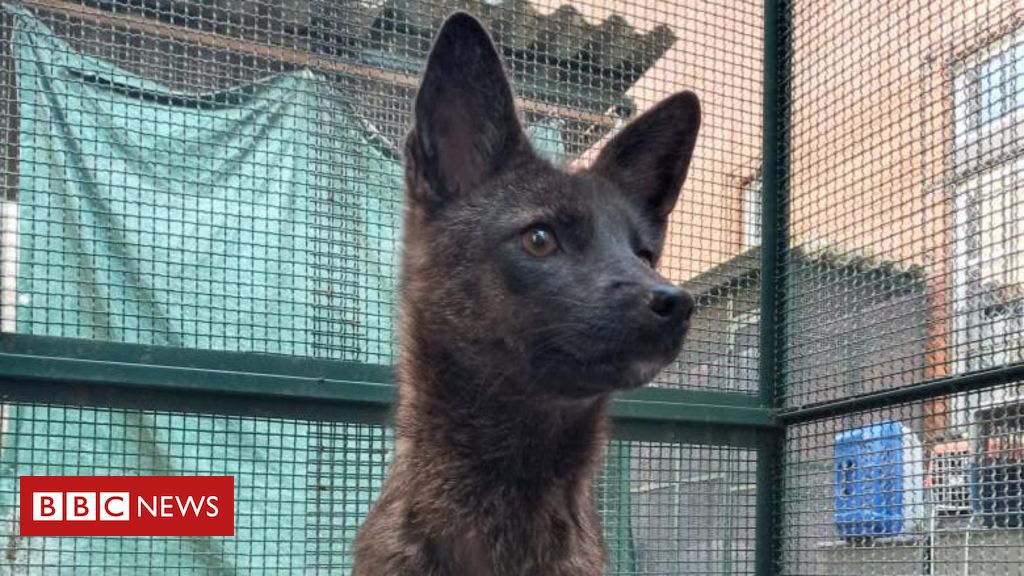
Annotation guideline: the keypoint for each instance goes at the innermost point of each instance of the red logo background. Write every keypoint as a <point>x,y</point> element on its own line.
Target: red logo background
<point>146,487</point>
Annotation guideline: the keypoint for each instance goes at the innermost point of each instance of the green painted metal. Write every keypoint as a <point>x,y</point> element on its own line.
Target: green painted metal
<point>617,525</point>
<point>198,401</point>
<point>85,372</point>
<point>148,369</point>
<point>697,407</point>
<point>681,432</point>
<point>92,371</point>
<point>774,230</point>
<point>116,353</point>
<point>773,196</point>
<point>767,558</point>
<point>928,389</point>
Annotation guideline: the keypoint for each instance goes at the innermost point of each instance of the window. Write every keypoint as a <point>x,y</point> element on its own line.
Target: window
<point>989,105</point>
<point>988,195</point>
<point>989,281</point>
<point>751,208</point>
<point>744,346</point>
<point>999,86</point>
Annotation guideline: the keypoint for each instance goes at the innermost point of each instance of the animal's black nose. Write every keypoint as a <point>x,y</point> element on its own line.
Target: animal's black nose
<point>668,301</point>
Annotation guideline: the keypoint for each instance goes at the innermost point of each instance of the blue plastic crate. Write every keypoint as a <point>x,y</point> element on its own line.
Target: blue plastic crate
<point>876,489</point>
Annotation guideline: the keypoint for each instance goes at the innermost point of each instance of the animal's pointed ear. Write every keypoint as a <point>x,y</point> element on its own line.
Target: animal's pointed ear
<point>649,158</point>
<point>465,117</point>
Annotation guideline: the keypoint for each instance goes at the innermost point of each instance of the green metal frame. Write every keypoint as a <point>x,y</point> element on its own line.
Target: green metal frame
<point>85,372</point>
<point>774,236</point>
<point>108,374</point>
<point>934,388</point>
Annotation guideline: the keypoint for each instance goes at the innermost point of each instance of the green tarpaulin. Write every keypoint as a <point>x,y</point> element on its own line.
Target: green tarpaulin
<point>197,220</point>
<point>214,221</point>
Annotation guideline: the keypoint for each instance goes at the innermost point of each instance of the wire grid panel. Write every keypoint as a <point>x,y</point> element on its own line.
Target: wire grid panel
<point>923,488</point>
<point>302,487</point>
<point>693,509</point>
<point>901,267</point>
<point>904,250</point>
<point>226,176</point>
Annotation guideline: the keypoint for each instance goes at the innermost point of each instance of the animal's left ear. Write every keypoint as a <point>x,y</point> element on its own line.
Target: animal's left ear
<point>649,158</point>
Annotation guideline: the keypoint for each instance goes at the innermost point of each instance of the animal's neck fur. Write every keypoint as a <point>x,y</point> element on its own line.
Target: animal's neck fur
<point>492,474</point>
<point>489,439</point>
<point>489,457</point>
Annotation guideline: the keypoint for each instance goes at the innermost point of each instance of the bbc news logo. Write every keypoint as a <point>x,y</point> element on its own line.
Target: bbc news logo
<point>127,505</point>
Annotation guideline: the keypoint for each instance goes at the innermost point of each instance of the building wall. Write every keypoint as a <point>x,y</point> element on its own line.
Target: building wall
<point>717,54</point>
<point>826,360</point>
<point>871,126</point>
<point>871,143</point>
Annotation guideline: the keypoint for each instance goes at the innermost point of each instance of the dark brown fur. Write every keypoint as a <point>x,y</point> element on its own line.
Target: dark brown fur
<point>507,359</point>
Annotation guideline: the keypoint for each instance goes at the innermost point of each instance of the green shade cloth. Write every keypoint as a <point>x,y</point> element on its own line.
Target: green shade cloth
<point>215,221</point>
<point>198,220</point>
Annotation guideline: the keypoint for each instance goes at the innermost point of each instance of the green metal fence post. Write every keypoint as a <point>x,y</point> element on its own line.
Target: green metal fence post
<point>774,174</point>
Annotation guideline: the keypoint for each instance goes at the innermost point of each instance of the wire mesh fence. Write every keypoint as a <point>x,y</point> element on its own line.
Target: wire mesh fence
<point>225,177</point>
<point>228,177</point>
<point>303,486</point>
<point>913,488</point>
<point>901,267</point>
<point>912,177</point>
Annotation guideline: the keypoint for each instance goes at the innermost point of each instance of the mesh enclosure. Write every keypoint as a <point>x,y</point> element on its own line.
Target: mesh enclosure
<point>863,493</point>
<point>902,257</point>
<point>901,266</point>
<point>228,177</point>
<point>303,486</point>
<point>213,183</point>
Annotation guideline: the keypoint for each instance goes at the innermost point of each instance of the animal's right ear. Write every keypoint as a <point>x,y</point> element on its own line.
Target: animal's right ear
<point>465,117</point>
<point>650,157</point>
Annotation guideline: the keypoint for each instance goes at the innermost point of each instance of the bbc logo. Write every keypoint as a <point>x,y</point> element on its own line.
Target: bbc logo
<point>80,506</point>
<point>126,505</point>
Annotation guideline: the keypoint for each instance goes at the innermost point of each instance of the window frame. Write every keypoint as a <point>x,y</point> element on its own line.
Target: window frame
<point>977,144</point>
<point>984,154</point>
<point>751,196</point>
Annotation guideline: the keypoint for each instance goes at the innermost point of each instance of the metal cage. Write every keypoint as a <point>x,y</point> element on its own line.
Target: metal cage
<point>199,233</point>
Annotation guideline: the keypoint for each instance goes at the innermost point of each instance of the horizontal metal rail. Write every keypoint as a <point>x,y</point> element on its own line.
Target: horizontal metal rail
<point>927,389</point>
<point>90,373</point>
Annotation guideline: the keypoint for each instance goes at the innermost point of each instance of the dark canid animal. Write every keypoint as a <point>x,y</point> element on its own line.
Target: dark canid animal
<point>528,296</point>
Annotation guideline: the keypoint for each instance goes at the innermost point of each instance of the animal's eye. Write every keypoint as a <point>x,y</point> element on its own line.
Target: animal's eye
<point>646,256</point>
<point>539,241</point>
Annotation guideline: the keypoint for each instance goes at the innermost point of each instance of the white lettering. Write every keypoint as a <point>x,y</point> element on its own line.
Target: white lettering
<point>114,506</point>
<point>212,503</point>
<point>80,506</point>
<point>144,504</point>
